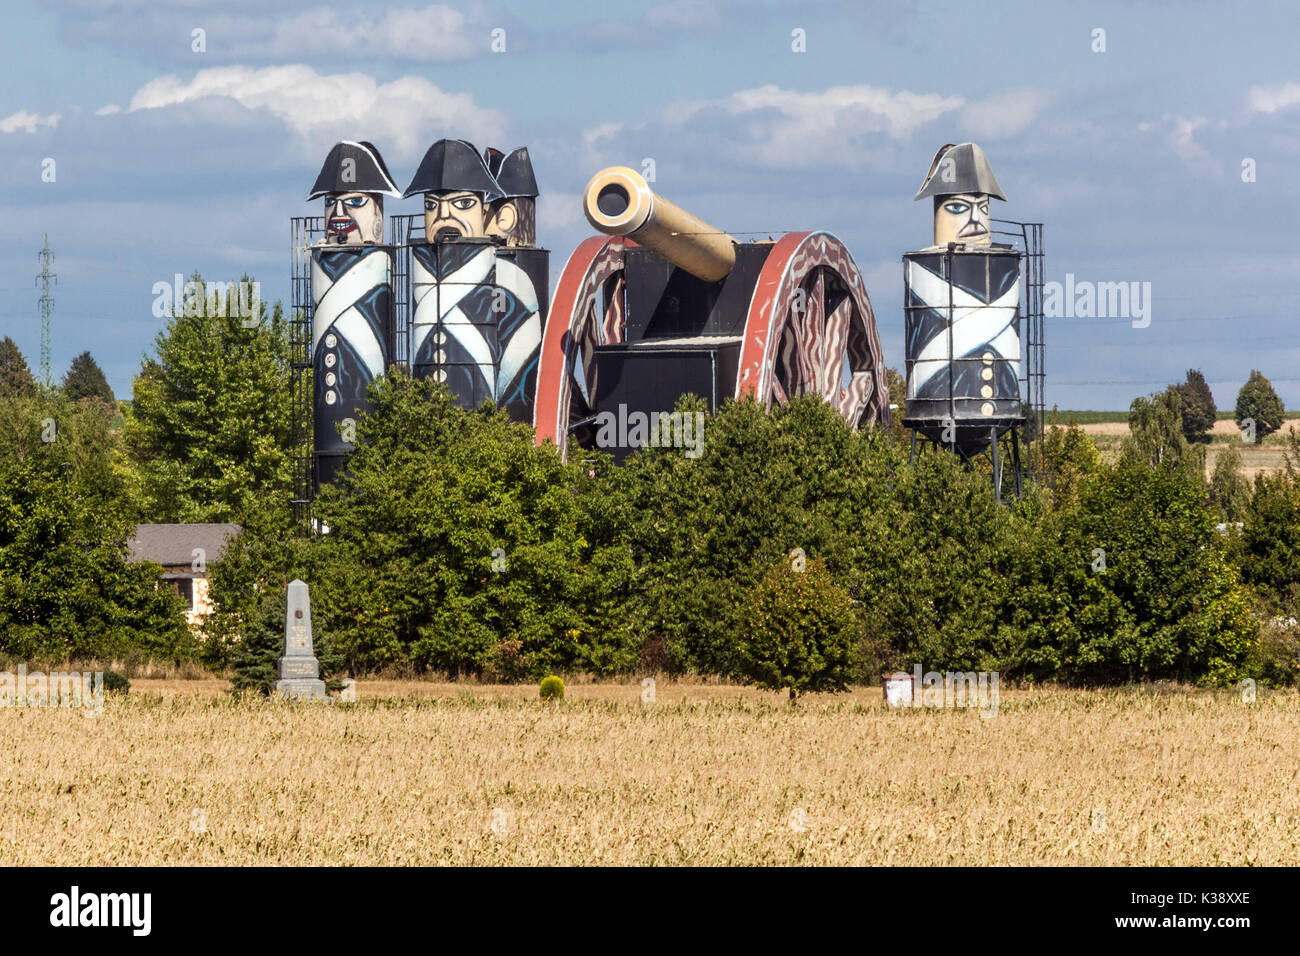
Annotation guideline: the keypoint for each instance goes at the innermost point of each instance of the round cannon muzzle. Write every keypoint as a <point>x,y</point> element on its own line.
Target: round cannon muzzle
<point>619,202</point>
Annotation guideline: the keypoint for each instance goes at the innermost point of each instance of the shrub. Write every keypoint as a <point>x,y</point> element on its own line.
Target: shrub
<point>113,681</point>
<point>256,656</point>
<point>1131,583</point>
<point>551,688</point>
<point>1271,538</point>
<point>799,631</point>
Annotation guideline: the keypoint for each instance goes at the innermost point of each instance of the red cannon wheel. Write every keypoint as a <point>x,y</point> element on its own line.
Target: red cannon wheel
<point>587,311</point>
<point>810,329</point>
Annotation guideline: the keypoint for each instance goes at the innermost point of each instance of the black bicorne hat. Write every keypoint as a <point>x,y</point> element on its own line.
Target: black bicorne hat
<point>971,173</point>
<point>452,164</point>
<point>513,172</point>
<point>366,173</point>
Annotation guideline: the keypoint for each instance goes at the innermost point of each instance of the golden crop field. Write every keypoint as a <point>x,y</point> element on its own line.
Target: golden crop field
<point>178,773</point>
<point>1263,456</point>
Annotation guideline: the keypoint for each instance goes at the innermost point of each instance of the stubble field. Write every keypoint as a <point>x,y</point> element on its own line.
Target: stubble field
<point>177,773</point>
<point>1263,456</point>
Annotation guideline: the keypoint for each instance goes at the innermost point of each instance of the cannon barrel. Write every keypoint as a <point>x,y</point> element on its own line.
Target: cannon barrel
<point>618,202</point>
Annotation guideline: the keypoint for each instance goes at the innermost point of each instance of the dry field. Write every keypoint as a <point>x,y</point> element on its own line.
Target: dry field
<point>1261,456</point>
<point>177,773</point>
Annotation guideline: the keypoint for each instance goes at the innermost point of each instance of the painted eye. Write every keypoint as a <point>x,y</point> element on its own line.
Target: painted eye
<point>956,208</point>
<point>984,208</point>
<point>465,203</point>
<point>355,201</point>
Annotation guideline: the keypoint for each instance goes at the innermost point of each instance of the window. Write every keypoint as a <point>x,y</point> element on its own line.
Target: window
<point>184,587</point>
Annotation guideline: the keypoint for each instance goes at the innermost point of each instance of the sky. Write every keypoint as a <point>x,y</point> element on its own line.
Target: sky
<point>1157,142</point>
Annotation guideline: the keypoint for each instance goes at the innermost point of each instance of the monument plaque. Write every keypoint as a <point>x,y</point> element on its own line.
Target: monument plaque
<point>299,669</point>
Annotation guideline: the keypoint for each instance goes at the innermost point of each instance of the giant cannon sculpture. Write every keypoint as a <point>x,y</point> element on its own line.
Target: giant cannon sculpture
<point>661,304</point>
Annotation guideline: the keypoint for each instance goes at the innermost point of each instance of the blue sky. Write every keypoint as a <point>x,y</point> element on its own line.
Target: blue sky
<point>168,160</point>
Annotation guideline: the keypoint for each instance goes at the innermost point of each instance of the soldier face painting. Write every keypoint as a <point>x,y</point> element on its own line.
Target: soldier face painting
<point>502,221</point>
<point>454,214</point>
<point>961,218</point>
<point>353,219</point>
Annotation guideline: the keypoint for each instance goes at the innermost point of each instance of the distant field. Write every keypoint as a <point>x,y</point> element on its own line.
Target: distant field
<point>1260,456</point>
<point>1089,418</point>
<point>422,773</point>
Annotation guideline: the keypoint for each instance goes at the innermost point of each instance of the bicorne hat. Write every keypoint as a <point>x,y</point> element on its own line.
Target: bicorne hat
<point>365,173</point>
<point>513,172</point>
<point>970,172</point>
<point>453,164</point>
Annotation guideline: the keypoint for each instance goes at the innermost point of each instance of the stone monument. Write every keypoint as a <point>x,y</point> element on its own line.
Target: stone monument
<point>299,669</point>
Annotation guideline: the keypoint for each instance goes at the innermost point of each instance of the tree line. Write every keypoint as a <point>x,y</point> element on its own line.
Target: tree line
<point>793,552</point>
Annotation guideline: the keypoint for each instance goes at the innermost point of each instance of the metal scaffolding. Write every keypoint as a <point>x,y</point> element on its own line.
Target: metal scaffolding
<point>305,232</point>
<point>1028,238</point>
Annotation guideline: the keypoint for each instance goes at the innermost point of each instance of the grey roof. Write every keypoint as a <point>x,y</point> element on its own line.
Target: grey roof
<point>174,544</point>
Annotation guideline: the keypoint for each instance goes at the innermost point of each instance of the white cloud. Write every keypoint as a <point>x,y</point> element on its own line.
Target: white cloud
<point>261,31</point>
<point>1179,134</point>
<point>28,122</point>
<point>1004,114</point>
<point>788,127</point>
<point>402,117</point>
<point>434,34</point>
<point>1270,99</point>
<point>109,110</point>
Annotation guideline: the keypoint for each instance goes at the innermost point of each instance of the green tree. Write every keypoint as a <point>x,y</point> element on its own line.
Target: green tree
<point>1156,434</point>
<point>1258,403</point>
<point>210,425</point>
<point>1069,455</point>
<point>85,379</point>
<point>255,657</point>
<point>1229,488</point>
<point>897,387</point>
<point>85,438</point>
<point>67,588</point>
<point>800,633</point>
<point>1271,537</point>
<point>1129,583</point>
<point>707,529</point>
<point>455,544</point>
<point>1198,410</point>
<point>15,377</point>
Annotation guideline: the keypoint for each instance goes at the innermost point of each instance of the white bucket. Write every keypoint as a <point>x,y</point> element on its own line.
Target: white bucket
<point>898,689</point>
